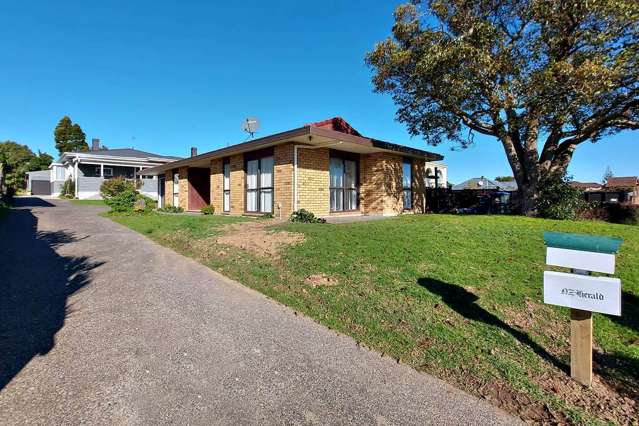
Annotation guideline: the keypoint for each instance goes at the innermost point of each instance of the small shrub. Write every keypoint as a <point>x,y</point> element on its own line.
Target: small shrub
<point>267,216</point>
<point>119,194</point>
<point>208,209</point>
<point>625,214</point>
<point>594,211</point>
<point>558,200</point>
<point>68,189</point>
<point>304,216</point>
<point>171,209</point>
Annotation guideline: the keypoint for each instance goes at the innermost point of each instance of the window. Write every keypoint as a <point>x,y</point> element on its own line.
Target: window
<point>108,172</point>
<point>259,185</point>
<point>59,173</point>
<point>176,189</point>
<point>227,185</point>
<point>407,179</point>
<point>343,184</point>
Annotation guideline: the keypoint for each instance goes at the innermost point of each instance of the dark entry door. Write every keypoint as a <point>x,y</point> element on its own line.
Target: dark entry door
<point>199,188</point>
<point>40,187</point>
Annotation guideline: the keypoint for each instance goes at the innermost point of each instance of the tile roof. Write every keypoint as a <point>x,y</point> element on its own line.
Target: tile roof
<point>622,182</point>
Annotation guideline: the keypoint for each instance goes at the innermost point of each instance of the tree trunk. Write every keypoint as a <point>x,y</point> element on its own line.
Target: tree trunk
<point>528,193</point>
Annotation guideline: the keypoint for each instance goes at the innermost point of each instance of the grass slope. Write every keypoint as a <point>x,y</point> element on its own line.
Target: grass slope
<point>456,296</point>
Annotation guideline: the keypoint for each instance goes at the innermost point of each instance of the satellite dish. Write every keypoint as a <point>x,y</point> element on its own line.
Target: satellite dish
<point>251,125</point>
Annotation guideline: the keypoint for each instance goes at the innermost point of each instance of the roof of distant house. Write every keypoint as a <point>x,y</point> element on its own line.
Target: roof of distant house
<point>622,182</point>
<point>123,153</point>
<point>585,185</point>
<point>485,183</point>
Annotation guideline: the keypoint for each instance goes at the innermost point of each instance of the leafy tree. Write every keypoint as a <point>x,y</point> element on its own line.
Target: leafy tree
<point>17,160</point>
<point>505,178</point>
<point>607,175</point>
<point>69,137</point>
<point>541,76</point>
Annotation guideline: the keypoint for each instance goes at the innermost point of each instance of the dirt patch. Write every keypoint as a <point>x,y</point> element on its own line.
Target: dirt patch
<point>320,280</point>
<point>509,399</point>
<point>256,238</point>
<point>601,399</point>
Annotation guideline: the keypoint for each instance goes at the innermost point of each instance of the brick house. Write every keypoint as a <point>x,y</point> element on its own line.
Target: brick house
<point>327,167</point>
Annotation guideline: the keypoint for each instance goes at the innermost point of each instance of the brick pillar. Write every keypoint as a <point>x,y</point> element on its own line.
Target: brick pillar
<point>313,181</point>
<point>184,188</point>
<point>419,185</point>
<point>217,184</point>
<point>237,184</point>
<point>168,188</point>
<point>283,180</point>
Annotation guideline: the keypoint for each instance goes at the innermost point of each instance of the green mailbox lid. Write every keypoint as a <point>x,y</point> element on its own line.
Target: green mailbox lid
<point>582,242</point>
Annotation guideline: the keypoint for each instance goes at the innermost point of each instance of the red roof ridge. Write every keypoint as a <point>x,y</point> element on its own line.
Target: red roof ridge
<point>336,123</point>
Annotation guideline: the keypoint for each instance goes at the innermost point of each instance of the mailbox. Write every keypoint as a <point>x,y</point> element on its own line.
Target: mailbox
<point>580,291</point>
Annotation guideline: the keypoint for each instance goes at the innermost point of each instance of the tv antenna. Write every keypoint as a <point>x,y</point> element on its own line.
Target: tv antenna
<point>250,125</point>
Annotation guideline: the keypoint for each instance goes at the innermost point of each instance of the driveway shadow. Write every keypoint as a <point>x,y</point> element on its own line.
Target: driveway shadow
<point>35,283</point>
<point>464,303</point>
<point>31,202</point>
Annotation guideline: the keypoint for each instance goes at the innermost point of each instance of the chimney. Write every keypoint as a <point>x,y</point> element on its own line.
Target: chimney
<point>95,144</point>
<point>193,151</point>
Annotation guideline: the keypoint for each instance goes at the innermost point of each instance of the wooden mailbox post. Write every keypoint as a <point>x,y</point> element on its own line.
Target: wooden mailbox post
<point>583,293</point>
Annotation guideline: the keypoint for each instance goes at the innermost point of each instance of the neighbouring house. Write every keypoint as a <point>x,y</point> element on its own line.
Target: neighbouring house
<point>624,189</point>
<point>436,174</point>
<point>88,169</point>
<point>485,184</point>
<point>327,167</point>
<point>587,186</point>
<point>39,182</point>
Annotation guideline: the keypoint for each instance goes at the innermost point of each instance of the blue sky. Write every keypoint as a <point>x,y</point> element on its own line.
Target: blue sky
<point>164,76</point>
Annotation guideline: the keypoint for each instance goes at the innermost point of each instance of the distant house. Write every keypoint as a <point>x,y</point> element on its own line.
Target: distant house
<point>587,186</point>
<point>90,168</point>
<point>624,189</point>
<point>485,184</point>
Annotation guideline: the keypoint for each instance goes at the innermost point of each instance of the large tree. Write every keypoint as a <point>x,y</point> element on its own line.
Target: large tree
<point>69,136</point>
<point>541,76</point>
<point>17,160</point>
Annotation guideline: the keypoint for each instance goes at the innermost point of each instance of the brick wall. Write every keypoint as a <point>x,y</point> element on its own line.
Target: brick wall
<point>217,184</point>
<point>168,188</point>
<point>237,184</point>
<point>381,183</point>
<point>183,197</point>
<point>283,180</point>
<point>419,185</point>
<point>313,180</point>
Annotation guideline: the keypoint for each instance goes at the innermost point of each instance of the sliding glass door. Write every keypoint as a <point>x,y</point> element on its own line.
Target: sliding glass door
<point>259,185</point>
<point>343,184</point>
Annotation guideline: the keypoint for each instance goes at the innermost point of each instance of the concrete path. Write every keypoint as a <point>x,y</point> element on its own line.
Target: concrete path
<point>99,325</point>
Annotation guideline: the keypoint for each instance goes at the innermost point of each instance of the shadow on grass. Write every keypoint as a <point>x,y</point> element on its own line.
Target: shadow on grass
<point>464,303</point>
<point>35,283</point>
<point>629,312</point>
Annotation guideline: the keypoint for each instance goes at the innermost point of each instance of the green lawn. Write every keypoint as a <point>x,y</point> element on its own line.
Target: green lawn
<point>459,297</point>
<point>89,202</point>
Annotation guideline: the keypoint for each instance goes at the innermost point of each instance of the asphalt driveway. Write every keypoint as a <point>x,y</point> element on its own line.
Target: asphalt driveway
<point>100,325</point>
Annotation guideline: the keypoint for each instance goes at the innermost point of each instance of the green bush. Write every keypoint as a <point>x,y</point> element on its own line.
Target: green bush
<point>171,209</point>
<point>119,194</point>
<point>623,213</point>
<point>558,200</point>
<point>68,189</point>
<point>208,209</point>
<point>304,216</point>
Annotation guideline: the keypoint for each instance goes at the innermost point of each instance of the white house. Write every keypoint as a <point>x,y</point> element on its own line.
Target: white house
<point>89,169</point>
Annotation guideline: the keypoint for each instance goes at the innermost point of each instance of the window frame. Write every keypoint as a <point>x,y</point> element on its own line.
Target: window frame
<point>344,156</point>
<point>107,175</point>
<point>409,161</point>
<point>226,162</point>
<point>258,156</point>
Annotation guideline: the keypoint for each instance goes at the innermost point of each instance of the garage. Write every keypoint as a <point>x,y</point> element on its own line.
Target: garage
<point>40,187</point>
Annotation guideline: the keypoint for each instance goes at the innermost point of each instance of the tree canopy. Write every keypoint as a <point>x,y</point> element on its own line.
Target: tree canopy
<point>541,76</point>
<point>69,136</point>
<point>17,160</point>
